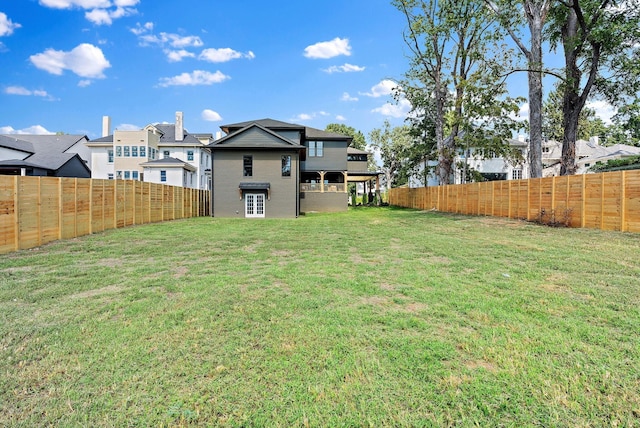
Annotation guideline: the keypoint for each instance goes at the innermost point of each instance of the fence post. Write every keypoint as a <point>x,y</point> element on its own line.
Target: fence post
<point>602,201</point>
<point>16,211</point>
<point>623,199</point>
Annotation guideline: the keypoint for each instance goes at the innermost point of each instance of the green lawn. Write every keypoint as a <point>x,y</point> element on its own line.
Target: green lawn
<point>375,317</point>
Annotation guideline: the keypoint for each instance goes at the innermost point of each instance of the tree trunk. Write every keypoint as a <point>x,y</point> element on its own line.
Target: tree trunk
<point>571,102</point>
<point>444,157</point>
<point>535,92</point>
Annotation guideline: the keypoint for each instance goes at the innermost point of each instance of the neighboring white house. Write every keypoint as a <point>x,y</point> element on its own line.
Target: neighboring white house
<point>158,153</point>
<point>588,153</point>
<point>491,168</point>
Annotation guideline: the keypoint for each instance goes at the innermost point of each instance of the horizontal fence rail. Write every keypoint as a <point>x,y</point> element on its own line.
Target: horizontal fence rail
<point>37,210</point>
<point>607,201</point>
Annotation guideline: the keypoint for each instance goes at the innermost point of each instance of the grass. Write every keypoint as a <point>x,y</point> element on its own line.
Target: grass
<point>375,317</point>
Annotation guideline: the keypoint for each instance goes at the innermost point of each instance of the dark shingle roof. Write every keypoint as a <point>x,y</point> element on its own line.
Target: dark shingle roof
<point>47,151</point>
<point>12,142</point>
<point>317,134</point>
<point>265,123</point>
<point>276,142</point>
<point>168,136</point>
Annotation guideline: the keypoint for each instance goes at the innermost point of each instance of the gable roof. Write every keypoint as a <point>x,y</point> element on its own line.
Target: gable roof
<point>252,137</point>
<point>265,123</point>
<point>168,162</point>
<point>53,143</point>
<point>16,144</point>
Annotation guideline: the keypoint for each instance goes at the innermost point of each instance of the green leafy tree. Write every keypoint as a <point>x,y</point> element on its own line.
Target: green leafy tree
<point>394,145</point>
<point>626,124</point>
<point>600,40</point>
<point>454,75</point>
<point>588,124</point>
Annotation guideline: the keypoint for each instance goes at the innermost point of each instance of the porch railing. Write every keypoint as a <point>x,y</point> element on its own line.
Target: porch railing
<point>317,187</point>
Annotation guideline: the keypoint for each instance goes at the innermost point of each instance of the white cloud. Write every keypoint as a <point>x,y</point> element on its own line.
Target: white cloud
<point>347,97</point>
<point>330,49</point>
<point>141,29</point>
<point>84,83</point>
<point>7,26</point>
<point>100,12</point>
<point>223,55</point>
<point>179,55</point>
<point>308,116</point>
<point>383,88</point>
<point>83,4</point>
<point>20,90</point>
<point>127,127</point>
<point>174,40</point>
<point>35,129</point>
<point>197,77</point>
<point>346,68</point>
<point>399,110</point>
<point>603,109</point>
<point>340,118</point>
<point>85,60</point>
<point>211,116</point>
<point>106,17</point>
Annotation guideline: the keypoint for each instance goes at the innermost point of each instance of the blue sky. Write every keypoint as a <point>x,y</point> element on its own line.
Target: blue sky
<point>67,63</point>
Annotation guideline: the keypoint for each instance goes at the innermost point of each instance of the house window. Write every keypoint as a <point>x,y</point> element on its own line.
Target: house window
<point>143,151</point>
<point>286,166</point>
<point>118,151</point>
<point>247,166</point>
<point>110,176</point>
<point>126,151</point>
<point>127,175</point>
<point>110,156</point>
<point>134,175</point>
<point>516,174</point>
<point>134,151</point>
<point>316,149</point>
<point>165,154</point>
<point>190,155</point>
<point>163,176</point>
<point>152,152</point>
<point>545,150</point>
<point>119,175</point>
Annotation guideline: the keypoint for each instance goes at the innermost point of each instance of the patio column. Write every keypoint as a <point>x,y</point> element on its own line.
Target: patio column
<point>322,181</point>
<point>378,201</point>
<point>346,175</point>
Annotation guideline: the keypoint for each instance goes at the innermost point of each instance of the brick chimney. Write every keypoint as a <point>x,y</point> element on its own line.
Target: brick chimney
<point>106,126</point>
<point>179,126</point>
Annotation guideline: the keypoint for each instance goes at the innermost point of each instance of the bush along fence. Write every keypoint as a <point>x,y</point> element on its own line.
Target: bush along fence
<point>607,201</point>
<point>37,210</point>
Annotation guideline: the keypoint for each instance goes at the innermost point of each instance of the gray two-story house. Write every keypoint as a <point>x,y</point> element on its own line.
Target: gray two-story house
<point>269,168</point>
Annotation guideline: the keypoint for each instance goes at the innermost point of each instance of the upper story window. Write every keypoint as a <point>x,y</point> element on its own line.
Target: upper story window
<point>118,151</point>
<point>110,156</point>
<point>316,148</point>
<point>134,151</point>
<point>286,166</point>
<point>143,151</point>
<point>190,155</point>
<point>165,154</point>
<point>126,151</point>
<point>247,166</point>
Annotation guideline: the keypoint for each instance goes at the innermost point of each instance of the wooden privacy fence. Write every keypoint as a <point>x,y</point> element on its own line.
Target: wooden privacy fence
<point>37,210</point>
<point>608,201</point>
